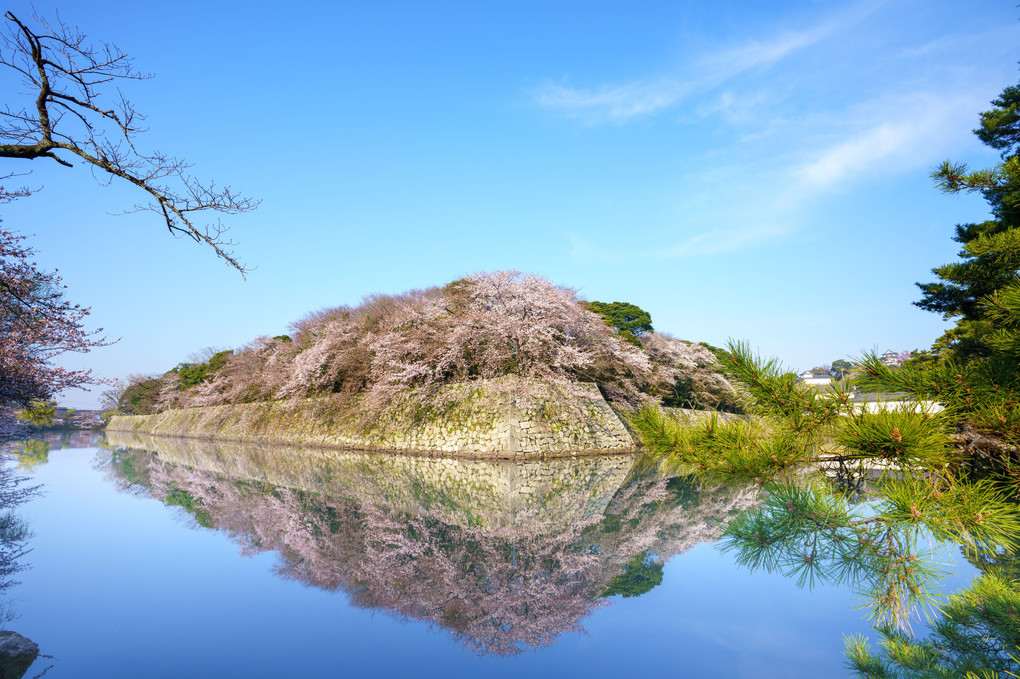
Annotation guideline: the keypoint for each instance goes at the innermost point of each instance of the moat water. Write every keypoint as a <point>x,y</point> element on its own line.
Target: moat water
<point>189,559</point>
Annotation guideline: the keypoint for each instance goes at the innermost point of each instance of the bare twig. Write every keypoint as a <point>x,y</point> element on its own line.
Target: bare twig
<point>70,118</point>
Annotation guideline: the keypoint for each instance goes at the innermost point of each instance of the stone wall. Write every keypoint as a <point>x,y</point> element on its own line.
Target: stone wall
<point>508,418</point>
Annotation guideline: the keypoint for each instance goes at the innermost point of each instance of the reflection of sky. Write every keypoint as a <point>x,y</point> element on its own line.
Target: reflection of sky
<point>122,586</point>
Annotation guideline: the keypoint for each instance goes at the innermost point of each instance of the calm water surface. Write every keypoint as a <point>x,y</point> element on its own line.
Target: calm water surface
<point>155,558</point>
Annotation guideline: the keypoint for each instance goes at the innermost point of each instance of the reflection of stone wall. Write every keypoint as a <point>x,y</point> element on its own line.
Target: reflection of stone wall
<point>505,418</point>
<point>485,493</point>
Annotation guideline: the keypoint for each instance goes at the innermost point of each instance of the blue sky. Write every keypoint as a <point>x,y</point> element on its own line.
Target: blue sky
<point>750,170</point>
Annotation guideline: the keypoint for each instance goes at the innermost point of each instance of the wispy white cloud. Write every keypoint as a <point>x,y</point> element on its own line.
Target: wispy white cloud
<point>758,54</point>
<point>949,44</point>
<point>761,200</point>
<point>735,107</point>
<point>782,161</point>
<point>710,241</point>
<point>614,104</point>
<point>647,96</point>
<point>857,155</point>
<point>907,134</point>
<point>721,240</point>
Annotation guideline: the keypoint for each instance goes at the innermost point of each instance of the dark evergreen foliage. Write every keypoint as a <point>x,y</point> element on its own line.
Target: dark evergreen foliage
<point>191,374</point>
<point>632,321</point>
<point>990,258</point>
<point>140,398</point>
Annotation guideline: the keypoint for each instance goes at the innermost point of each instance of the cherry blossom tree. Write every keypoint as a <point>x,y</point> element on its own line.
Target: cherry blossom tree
<point>495,324</point>
<point>685,374</point>
<point>36,326</point>
<point>484,326</point>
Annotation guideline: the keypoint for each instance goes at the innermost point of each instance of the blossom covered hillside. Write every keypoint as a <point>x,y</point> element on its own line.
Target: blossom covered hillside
<point>487,325</point>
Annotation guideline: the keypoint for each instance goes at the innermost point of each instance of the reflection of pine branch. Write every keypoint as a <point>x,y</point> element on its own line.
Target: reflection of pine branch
<point>817,536</point>
<point>977,634</point>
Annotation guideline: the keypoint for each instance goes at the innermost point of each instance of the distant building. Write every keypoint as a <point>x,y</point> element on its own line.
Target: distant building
<point>891,358</point>
<point>811,379</point>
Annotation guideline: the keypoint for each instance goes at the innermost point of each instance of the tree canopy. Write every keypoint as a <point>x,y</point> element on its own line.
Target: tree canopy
<point>990,257</point>
<point>840,368</point>
<point>623,316</point>
<point>36,326</point>
<point>487,325</point>
<point>974,369</point>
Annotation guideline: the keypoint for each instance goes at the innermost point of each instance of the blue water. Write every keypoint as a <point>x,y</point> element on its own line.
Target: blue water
<point>122,584</point>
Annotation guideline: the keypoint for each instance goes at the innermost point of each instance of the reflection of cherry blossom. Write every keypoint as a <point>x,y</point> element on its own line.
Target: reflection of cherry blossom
<point>14,532</point>
<point>501,588</point>
<point>9,427</point>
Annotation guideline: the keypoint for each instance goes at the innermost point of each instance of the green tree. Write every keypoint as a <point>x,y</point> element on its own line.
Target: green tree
<point>195,373</point>
<point>32,454</point>
<point>39,413</point>
<point>632,321</point>
<point>990,258</point>
<point>623,316</point>
<point>974,369</point>
<point>816,535</point>
<point>840,368</point>
<point>140,396</point>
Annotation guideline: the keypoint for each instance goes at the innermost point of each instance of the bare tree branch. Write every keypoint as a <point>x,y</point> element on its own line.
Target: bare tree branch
<point>70,118</point>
